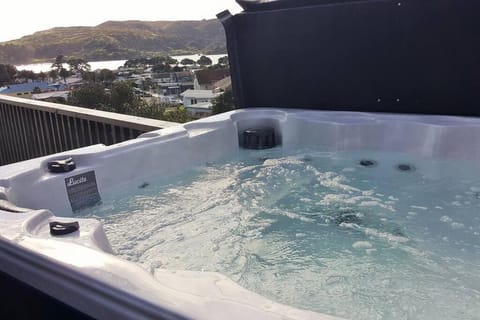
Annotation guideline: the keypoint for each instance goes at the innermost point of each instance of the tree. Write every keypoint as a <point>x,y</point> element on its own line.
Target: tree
<point>131,63</point>
<point>170,60</point>
<point>163,111</point>
<point>42,76</point>
<point>60,100</point>
<point>123,98</point>
<point>148,84</point>
<point>5,77</point>
<point>64,73</point>
<point>177,69</point>
<point>89,76</point>
<point>26,75</point>
<point>58,64</point>
<point>221,64</point>
<point>177,114</point>
<point>53,74</point>
<point>204,61</point>
<point>7,73</point>
<point>78,65</point>
<point>92,96</point>
<point>187,62</point>
<point>161,67</point>
<point>224,102</point>
<point>144,62</point>
<point>106,76</point>
<point>11,70</point>
<point>153,110</point>
<point>223,61</point>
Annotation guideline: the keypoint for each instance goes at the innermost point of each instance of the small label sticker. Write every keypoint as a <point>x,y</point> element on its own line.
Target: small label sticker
<point>82,190</point>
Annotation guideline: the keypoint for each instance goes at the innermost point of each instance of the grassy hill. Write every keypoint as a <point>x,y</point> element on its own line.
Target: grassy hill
<point>117,40</point>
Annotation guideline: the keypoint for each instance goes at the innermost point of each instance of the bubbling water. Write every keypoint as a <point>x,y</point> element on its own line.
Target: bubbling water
<point>316,230</point>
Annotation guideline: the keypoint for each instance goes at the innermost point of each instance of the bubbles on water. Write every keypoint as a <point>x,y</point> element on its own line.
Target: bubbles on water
<point>457,225</point>
<point>475,189</point>
<point>419,207</point>
<point>446,219</point>
<point>312,229</point>
<point>362,245</point>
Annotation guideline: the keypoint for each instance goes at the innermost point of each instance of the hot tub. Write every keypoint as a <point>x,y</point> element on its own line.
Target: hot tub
<point>273,211</point>
<point>368,200</point>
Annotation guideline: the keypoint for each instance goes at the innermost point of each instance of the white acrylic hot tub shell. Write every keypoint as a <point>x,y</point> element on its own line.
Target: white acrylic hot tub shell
<point>80,270</point>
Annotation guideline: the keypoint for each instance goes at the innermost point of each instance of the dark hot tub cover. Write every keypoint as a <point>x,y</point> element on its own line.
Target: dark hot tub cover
<point>414,56</point>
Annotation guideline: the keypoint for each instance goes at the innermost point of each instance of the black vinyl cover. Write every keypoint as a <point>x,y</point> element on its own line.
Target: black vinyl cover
<point>261,5</point>
<point>414,56</point>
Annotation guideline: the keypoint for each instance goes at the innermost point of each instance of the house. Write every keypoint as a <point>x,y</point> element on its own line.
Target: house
<point>51,95</point>
<point>205,79</point>
<point>222,85</point>
<point>184,77</point>
<point>199,102</point>
<point>173,83</point>
<point>200,110</point>
<point>192,97</point>
<point>175,88</point>
<point>28,88</point>
<point>164,77</point>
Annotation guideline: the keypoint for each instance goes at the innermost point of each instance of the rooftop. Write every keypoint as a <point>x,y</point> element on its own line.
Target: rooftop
<point>52,94</point>
<point>200,94</point>
<point>28,87</point>
<point>202,105</point>
<point>223,83</point>
<point>210,76</point>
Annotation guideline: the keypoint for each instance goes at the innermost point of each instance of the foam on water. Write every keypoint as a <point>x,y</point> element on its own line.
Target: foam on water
<point>316,230</point>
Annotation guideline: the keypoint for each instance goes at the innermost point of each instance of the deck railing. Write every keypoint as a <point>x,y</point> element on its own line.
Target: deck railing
<point>30,129</point>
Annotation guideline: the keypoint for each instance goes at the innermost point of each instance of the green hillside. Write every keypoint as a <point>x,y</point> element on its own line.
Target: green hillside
<point>117,40</point>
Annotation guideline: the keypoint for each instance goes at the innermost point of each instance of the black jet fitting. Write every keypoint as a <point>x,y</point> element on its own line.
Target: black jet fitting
<point>63,228</point>
<point>263,138</point>
<point>61,166</point>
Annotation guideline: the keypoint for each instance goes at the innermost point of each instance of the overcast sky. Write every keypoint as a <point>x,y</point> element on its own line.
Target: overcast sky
<point>23,17</point>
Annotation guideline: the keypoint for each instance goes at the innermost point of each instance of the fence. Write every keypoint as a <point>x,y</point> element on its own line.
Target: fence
<point>30,129</point>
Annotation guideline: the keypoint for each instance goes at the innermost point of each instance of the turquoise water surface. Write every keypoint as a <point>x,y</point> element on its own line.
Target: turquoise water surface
<point>395,238</point>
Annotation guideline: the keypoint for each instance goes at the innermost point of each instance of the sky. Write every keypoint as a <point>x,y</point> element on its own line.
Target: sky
<point>23,17</point>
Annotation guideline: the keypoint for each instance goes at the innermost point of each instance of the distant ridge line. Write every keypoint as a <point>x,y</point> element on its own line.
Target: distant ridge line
<point>116,40</point>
